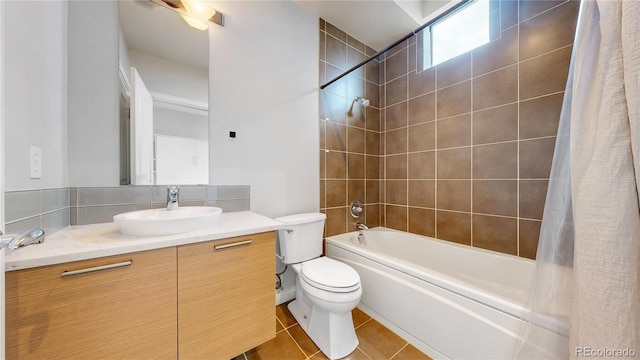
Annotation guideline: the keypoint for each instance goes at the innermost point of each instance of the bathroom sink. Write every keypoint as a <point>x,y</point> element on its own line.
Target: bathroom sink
<point>167,222</point>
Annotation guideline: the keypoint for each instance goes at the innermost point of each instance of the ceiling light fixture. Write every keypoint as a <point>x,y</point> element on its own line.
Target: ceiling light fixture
<point>195,23</point>
<point>196,13</point>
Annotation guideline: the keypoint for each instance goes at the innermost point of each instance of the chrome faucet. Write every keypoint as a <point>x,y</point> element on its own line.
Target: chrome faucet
<point>25,238</point>
<point>361,226</point>
<point>173,193</point>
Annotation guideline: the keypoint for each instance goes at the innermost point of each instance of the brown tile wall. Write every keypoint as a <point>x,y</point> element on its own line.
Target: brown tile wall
<point>461,151</point>
<point>350,154</point>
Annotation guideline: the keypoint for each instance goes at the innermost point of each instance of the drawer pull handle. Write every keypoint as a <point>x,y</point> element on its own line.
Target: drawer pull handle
<point>232,245</point>
<point>96,268</point>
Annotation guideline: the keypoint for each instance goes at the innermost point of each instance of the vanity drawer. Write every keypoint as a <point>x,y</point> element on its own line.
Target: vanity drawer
<point>226,301</point>
<point>112,307</point>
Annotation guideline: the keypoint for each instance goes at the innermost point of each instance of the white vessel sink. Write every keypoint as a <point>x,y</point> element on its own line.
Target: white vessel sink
<point>167,222</point>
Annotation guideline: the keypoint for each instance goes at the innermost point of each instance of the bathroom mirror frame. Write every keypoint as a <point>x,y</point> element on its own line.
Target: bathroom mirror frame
<point>178,85</point>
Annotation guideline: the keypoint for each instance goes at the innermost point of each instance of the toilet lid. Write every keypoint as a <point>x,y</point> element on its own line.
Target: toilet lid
<point>330,275</point>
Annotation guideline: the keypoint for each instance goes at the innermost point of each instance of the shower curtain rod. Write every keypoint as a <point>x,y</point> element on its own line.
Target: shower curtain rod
<point>429,23</point>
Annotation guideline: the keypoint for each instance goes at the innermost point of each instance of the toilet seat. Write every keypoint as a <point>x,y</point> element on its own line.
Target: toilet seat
<point>329,275</point>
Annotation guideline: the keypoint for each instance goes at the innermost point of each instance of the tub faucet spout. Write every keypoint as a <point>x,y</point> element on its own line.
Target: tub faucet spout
<point>173,193</point>
<point>361,226</point>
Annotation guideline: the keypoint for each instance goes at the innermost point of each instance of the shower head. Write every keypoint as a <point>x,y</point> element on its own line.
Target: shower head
<point>363,101</point>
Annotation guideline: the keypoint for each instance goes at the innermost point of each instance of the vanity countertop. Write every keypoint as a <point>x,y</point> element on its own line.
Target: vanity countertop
<point>98,240</point>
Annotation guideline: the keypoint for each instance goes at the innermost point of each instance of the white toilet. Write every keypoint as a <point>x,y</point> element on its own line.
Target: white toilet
<point>326,290</point>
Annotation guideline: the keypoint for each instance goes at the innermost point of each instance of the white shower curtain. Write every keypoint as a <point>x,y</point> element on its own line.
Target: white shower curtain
<point>587,279</point>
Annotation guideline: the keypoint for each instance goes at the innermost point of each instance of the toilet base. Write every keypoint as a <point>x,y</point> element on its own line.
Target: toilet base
<point>333,333</point>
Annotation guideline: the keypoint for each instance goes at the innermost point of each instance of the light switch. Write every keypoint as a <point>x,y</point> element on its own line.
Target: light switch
<point>36,162</point>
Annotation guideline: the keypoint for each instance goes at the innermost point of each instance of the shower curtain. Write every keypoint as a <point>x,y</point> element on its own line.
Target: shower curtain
<point>587,277</point>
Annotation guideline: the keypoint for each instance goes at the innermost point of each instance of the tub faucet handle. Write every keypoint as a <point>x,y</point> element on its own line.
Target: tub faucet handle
<point>355,209</point>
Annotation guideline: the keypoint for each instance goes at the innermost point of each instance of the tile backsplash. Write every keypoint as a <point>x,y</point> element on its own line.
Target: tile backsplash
<point>47,209</point>
<point>55,209</point>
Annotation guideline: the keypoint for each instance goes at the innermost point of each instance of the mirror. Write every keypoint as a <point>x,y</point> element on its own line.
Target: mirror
<point>171,60</point>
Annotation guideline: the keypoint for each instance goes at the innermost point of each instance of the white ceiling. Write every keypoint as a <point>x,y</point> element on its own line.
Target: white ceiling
<point>377,23</point>
<point>155,30</point>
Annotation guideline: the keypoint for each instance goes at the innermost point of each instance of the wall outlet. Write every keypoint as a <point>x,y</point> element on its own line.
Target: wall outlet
<point>36,162</point>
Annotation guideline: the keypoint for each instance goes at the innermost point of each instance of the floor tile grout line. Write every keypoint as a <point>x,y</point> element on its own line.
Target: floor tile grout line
<point>314,354</point>
<point>399,351</point>
<point>365,354</point>
<point>364,322</point>
<point>281,324</point>
<point>309,357</point>
<point>295,342</point>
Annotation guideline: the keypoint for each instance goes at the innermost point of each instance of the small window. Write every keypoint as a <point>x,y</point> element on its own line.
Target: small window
<point>462,31</point>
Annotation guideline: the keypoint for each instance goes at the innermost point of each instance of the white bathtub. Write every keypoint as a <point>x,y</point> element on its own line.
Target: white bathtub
<point>448,300</point>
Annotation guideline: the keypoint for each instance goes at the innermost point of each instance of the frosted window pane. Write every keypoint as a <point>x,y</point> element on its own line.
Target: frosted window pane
<point>460,32</point>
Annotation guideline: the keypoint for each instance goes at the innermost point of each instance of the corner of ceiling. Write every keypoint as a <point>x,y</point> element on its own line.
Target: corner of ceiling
<point>422,11</point>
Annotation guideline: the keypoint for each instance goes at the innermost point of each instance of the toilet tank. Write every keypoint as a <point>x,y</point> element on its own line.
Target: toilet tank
<point>301,238</point>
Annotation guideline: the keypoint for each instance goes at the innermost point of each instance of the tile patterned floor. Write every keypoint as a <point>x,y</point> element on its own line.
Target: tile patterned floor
<point>292,343</point>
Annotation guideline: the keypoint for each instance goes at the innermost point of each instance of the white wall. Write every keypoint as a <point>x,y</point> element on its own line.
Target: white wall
<point>264,85</point>
<point>171,78</point>
<point>94,155</point>
<point>35,83</point>
<point>2,228</point>
<point>123,58</point>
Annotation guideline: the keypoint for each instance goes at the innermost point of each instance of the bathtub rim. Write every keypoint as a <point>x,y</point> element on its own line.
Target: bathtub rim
<point>521,310</point>
<point>437,278</point>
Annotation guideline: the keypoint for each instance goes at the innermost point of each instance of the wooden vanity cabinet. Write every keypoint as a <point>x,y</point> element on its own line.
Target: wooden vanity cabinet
<point>226,302</point>
<point>210,300</point>
<point>124,312</point>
